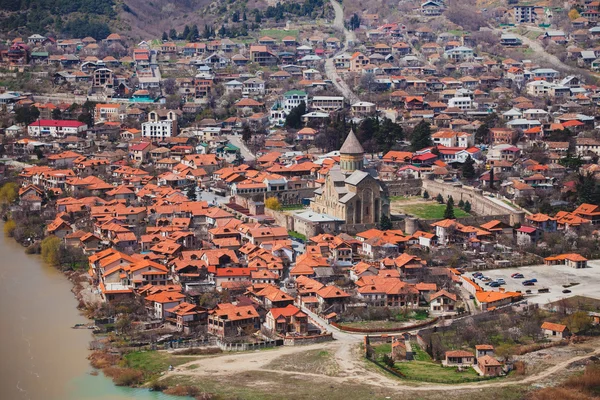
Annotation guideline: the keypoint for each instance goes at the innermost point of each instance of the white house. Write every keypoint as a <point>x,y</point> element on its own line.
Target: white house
<point>48,127</point>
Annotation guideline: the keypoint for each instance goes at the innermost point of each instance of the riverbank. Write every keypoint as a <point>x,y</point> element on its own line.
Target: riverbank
<point>43,358</point>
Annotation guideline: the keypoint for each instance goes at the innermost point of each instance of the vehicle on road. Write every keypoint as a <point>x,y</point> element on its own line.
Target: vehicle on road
<point>566,291</point>
<point>544,290</point>
<point>528,291</point>
<point>517,275</point>
<point>501,281</point>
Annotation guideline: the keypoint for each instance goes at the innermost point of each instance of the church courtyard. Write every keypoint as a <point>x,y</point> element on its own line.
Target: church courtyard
<point>422,208</point>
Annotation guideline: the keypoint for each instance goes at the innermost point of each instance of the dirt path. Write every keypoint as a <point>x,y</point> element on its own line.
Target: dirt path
<point>352,368</point>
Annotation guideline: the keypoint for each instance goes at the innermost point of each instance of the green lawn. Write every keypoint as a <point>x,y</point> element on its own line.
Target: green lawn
<point>278,34</point>
<point>382,349</point>
<point>292,207</point>
<point>420,354</point>
<point>431,372</point>
<point>431,211</point>
<point>297,235</point>
<point>153,363</point>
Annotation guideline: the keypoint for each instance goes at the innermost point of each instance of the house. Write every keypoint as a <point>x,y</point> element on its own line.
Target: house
<point>442,302</point>
<point>287,320</point>
<point>186,316</point>
<point>56,128</point>
<point>489,366</point>
<point>160,302</point>
<point>572,260</point>
<point>554,331</point>
<point>484,350</point>
<point>459,358</point>
<point>229,320</point>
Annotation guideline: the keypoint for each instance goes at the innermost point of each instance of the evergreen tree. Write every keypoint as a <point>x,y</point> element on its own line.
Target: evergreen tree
<point>258,17</point>
<point>388,134</point>
<point>482,134</point>
<point>492,178</point>
<point>426,194</point>
<point>421,136</point>
<point>191,193</point>
<point>294,118</point>
<point>468,168</point>
<point>449,211</point>
<point>194,34</point>
<point>244,18</point>
<point>165,37</point>
<point>467,207</point>
<point>186,33</point>
<point>26,115</point>
<point>385,223</point>
<point>461,203</point>
<point>439,198</point>
<point>246,134</point>
<point>56,113</point>
<point>235,17</point>
<point>172,34</point>
<point>587,189</point>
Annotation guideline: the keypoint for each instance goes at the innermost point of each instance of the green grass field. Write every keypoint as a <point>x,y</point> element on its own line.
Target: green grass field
<point>152,363</point>
<point>431,372</point>
<point>431,211</point>
<point>278,34</point>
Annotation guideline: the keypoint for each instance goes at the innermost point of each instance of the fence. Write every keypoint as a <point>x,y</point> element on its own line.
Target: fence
<point>401,329</point>
<point>249,346</point>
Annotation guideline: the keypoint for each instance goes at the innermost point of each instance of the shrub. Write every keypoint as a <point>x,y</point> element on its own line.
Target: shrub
<point>9,227</point>
<point>50,250</point>
<point>124,376</point>
<point>8,193</point>
<point>273,203</point>
<point>184,390</point>
<point>426,194</point>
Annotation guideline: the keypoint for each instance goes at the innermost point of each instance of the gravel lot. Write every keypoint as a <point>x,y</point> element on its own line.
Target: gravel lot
<point>552,277</point>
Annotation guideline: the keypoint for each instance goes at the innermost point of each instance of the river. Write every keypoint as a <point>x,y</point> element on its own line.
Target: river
<point>41,357</point>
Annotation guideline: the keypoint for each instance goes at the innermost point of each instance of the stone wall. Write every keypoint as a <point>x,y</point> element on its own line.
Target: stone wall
<point>480,204</point>
<point>306,340</point>
<point>404,187</point>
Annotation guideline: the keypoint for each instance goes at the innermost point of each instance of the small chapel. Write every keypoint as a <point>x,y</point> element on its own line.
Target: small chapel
<point>351,192</point>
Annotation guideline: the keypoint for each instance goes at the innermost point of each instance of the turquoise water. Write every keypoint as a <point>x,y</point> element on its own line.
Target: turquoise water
<point>88,387</point>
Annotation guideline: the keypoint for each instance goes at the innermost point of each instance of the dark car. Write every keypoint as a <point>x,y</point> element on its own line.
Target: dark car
<point>566,291</point>
<point>528,283</point>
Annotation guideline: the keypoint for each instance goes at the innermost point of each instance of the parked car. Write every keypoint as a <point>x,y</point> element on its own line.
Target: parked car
<point>544,290</point>
<point>566,291</point>
<point>485,279</point>
<point>533,280</point>
<point>528,283</point>
<point>528,291</point>
<point>494,284</point>
<point>501,281</point>
<point>517,275</point>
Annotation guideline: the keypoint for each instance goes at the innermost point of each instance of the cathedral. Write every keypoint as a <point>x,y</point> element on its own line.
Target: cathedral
<point>351,193</point>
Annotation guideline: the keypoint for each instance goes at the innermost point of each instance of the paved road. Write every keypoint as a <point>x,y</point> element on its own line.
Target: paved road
<point>237,141</point>
<point>330,70</point>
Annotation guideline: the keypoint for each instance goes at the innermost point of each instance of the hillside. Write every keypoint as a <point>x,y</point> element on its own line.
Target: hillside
<point>77,18</point>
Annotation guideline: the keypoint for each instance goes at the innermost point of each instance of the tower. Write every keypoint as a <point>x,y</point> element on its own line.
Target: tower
<point>352,154</point>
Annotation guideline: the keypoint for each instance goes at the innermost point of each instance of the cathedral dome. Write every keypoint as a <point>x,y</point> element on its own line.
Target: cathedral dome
<point>352,145</point>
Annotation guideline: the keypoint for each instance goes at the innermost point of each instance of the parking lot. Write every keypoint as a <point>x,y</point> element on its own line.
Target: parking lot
<point>552,277</point>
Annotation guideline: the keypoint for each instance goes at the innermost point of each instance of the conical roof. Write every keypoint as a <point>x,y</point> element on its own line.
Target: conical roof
<point>352,145</point>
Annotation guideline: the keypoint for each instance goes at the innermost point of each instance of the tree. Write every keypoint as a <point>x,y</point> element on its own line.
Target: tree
<point>468,168</point>
<point>461,203</point>
<point>482,134</point>
<point>387,134</point>
<point>273,203</point>
<point>385,223</point>
<point>194,34</point>
<point>9,227</point>
<point>191,193</point>
<point>26,115</point>
<point>165,37</point>
<point>467,207</point>
<point>491,178</point>
<point>236,16</point>
<point>8,193</point>
<point>170,86</point>
<point>574,14</point>
<point>56,114</point>
<point>186,32</point>
<point>246,134</point>
<point>86,118</point>
<point>172,34</point>
<point>579,321</point>
<point>354,23</point>
<point>421,136</point>
<point>449,211</point>
<point>587,189</point>
<point>50,248</point>
<point>439,198</point>
<point>426,194</point>
<point>294,118</point>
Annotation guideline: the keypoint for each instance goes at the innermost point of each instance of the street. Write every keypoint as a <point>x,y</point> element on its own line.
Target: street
<point>237,141</point>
